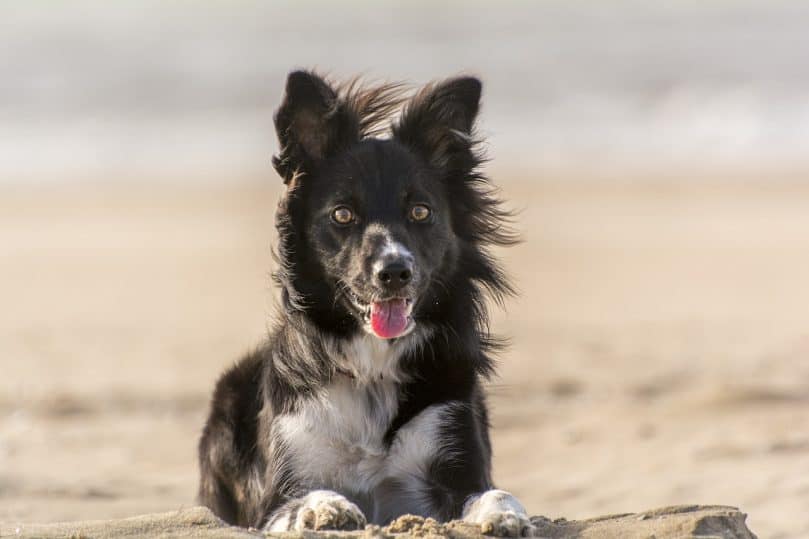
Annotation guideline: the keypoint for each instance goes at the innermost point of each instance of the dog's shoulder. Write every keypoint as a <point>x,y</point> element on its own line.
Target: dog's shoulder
<point>237,401</point>
<point>237,385</point>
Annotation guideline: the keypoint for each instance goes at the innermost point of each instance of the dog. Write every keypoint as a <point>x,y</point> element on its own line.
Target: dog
<point>367,403</point>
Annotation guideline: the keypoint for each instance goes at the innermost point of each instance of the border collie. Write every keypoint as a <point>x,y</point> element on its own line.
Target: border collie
<point>366,403</point>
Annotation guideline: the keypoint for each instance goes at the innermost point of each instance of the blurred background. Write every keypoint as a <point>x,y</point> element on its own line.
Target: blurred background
<point>658,152</point>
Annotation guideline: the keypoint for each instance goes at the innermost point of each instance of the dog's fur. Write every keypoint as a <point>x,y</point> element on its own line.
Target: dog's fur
<point>329,425</point>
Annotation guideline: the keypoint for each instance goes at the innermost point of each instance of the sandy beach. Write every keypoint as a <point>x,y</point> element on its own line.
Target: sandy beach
<point>659,350</point>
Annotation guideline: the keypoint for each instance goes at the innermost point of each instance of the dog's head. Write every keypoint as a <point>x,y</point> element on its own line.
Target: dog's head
<point>374,232</point>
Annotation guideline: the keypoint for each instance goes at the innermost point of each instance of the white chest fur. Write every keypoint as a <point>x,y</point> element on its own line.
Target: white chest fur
<point>336,439</point>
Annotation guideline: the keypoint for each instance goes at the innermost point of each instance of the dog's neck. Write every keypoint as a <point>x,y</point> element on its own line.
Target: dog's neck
<point>365,358</point>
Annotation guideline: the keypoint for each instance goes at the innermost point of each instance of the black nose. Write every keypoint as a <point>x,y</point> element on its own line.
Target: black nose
<point>395,275</point>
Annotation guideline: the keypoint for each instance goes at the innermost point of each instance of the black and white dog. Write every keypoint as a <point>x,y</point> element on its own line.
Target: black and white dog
<point>366,402</point>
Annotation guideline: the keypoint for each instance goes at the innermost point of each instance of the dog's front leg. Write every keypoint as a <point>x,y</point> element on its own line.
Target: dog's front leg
<point>459,469</point>
<point>318,510</point>
<point>498,513</point>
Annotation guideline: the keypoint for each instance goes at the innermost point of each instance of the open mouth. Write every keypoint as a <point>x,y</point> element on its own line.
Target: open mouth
<point>387,319</point>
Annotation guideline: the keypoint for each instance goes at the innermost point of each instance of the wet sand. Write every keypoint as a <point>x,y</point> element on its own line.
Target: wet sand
<point>660,344</point>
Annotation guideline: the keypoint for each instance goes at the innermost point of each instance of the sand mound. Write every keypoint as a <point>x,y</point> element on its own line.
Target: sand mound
<point>670,522</point>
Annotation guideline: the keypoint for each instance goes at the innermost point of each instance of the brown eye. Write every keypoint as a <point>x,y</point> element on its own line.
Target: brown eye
<point>342,215</point>
<point>420,213</point>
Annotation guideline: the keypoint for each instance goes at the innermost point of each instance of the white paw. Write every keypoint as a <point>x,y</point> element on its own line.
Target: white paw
<point>499,513</point>
<point>507,524</point>
<point>318,510</point>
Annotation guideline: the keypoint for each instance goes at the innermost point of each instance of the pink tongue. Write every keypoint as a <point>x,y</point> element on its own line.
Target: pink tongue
<point>389,318</point>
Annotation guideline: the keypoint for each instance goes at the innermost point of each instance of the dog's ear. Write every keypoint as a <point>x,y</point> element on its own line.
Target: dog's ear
<point>311,124</point>
<point>439,122</point>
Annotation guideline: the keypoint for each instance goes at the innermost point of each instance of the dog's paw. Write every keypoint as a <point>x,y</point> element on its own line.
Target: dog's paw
<point>326,510</point>
<point>499,513</point>
<point>318,510</point>
<point>507,524</point>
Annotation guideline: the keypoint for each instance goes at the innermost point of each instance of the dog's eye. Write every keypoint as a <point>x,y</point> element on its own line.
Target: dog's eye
<point>342,215</point>
<point>420,213</point>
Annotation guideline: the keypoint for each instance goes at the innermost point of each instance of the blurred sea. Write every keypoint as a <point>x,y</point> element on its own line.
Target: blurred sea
<point>185,90</point>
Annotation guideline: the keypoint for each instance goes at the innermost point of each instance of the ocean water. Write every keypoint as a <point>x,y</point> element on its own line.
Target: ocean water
<point>184,90</point>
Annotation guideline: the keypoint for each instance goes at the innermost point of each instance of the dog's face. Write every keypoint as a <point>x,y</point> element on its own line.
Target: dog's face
<point>369,224</point>
<point>380,223</point>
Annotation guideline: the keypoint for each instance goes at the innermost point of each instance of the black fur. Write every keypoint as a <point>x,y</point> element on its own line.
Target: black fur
<point>329,157</point>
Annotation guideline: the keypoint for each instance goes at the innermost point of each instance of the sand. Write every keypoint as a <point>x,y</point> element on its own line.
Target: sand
<point>680,522</point>
<point>659,357</point>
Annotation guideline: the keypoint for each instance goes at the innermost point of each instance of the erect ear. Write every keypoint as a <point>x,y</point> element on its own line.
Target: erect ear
<point>439,121</point>
<point>311,124</point>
